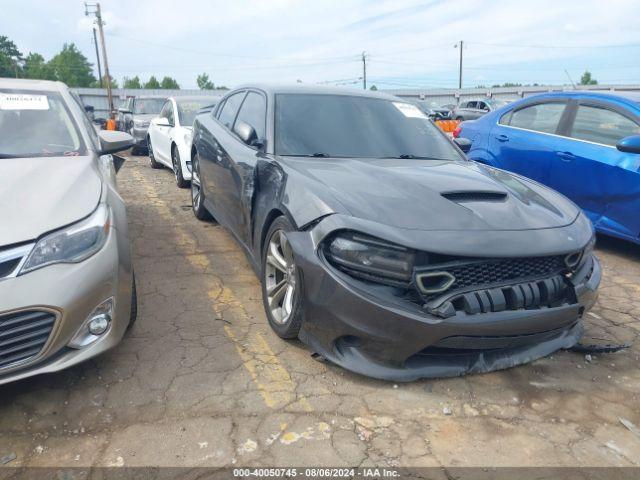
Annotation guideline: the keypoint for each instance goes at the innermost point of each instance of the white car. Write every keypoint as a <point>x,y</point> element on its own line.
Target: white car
<point>169,136</point>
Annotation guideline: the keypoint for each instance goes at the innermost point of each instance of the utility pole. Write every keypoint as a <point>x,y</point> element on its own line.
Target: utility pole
<point>95,43</point>
<point>97,12</point>
<point>461,46</point>
<point>364,70</point>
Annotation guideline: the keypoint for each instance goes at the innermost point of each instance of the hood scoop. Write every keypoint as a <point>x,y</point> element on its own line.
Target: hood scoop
<point>475,196</point>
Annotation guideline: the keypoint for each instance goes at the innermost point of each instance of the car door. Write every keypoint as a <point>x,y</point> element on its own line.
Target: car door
<point>590,170</point>
<point>524,139</point>
<point>162,131</point>
<point>238,176</point>
<point>215,166</point>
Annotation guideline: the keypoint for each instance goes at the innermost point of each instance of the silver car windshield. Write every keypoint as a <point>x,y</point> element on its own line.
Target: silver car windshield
<point>37,124</point>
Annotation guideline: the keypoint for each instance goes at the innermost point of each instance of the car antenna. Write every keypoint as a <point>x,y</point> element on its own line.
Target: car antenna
<point>570,79</point>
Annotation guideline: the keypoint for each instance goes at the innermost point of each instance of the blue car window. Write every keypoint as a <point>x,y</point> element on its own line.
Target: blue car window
<point>600,125</point>
<point>541,117</point>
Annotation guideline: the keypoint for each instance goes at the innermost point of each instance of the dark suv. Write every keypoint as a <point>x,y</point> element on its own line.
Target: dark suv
<point>134,117</point>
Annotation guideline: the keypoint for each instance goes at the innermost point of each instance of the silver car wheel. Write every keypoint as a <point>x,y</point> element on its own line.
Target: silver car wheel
<point>195,185</point>
<point>280,277</point>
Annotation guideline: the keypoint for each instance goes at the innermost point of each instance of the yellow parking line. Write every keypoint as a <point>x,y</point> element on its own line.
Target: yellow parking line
<point>270,376</point>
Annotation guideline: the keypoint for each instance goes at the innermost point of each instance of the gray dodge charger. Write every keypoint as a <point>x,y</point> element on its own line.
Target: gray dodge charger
<point>67,290</point>
<point>380,245</point>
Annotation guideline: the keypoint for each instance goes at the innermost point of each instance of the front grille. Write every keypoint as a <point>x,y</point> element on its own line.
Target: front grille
<point>23,335</point>
<point>490,272</point>
<point>11,258</point>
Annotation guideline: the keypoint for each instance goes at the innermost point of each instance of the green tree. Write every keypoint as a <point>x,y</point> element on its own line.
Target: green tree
<point>169,84</point>
<point>373,87</point>
<point>204,83</point>
<point>10,58</point>
<point>152,83</point>
<point>36,67</point>
<point>96,83</point>
<point>72,67</point>
<point>586,79</point>
<point>131,82</point>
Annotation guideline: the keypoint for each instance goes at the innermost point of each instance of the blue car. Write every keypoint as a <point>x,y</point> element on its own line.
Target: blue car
<point>585,145</point>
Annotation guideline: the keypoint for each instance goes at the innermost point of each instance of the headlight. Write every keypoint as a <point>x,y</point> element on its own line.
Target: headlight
<point>73,244</point>
<point>371,259</point>
<point>140,123</point>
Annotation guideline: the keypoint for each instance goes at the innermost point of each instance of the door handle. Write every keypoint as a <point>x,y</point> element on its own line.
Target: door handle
<point>502,138</point>
<point>566,156</point>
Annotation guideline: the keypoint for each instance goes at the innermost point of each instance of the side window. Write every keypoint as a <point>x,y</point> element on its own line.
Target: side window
<point>254,112</point>
<point>230,108</point>
<point>219,110</point>
<point>600,125</point>
<point>481,106</point>
<point>542,117</point>
<point>170,115</point>
<point>163,112</point>
<point>470,105</point>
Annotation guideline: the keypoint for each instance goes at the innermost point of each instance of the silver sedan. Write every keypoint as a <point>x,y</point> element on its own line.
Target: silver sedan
<point>67,288</point>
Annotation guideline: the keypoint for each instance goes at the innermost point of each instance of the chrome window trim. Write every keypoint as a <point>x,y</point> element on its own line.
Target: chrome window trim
<point>13,253</point>
<point>555,135</point>
<point>45,348</point>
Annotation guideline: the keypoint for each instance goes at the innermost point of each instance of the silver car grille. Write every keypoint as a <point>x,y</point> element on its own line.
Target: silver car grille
<point>23,335</point>
<point>12,258</point>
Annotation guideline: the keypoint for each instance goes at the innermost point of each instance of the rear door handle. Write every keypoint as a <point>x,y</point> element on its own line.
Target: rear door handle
<point>566,156</point>
<point>502,138</point>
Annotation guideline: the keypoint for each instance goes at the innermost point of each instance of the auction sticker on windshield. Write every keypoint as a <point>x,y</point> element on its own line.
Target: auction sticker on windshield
<point>408,110</point>
<point>21,101</point>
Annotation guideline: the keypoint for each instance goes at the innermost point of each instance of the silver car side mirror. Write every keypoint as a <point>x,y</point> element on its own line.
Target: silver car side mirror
<point>112,141</point>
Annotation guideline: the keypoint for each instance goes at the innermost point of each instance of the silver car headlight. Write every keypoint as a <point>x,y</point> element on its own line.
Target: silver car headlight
<point>73,244</point>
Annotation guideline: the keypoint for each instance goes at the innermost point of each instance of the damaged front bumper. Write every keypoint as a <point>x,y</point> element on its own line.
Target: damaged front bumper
<point>364,328</point>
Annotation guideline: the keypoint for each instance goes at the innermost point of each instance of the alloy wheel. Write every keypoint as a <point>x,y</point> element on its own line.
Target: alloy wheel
<point>174,161</point>
<point>280,277</point>
<point>195,184</point>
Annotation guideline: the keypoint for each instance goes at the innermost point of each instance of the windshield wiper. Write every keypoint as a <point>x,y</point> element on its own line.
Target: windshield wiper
<point>417,157</point>
<point>315,155</point>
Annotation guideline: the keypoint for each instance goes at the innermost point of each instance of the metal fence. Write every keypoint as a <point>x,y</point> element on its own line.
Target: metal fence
<point>97,97</point>
<point>453,96</point>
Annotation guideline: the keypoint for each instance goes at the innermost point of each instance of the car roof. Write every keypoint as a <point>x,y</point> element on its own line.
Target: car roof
<point>192,98</point>
<point>36,85</point>
<point>274,89</point>
<point>615,95</point>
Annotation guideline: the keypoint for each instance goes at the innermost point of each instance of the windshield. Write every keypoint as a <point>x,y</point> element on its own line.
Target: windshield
<point>148,105</point>
<point>188,109</point>
<point>353,126</point>
<point>37,124</point>
<point>497,103</point>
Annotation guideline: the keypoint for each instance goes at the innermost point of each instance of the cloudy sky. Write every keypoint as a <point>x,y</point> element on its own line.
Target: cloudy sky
<point>408,43</point>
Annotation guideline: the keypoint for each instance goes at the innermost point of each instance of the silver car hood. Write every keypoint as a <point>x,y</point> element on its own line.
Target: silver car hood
<point>41,194</point>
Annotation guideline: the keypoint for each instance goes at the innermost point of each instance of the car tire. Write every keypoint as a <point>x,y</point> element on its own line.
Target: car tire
<point>152,158</point>
<point>133,316</point>
<point>282,283</point>
<point>177,168</point>
<point>197,194</point>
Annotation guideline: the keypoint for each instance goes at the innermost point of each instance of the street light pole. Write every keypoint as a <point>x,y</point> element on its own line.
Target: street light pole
<point>98,13</point>
<point>95,44</point>
<point>460,68</point>
<point>364,70</point>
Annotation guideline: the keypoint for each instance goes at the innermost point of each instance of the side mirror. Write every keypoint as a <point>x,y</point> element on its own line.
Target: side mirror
<point>112,141</point>
<point>463,144</point>
<point>629,144</point>
<point>247,133</point>
<point>162,122</point>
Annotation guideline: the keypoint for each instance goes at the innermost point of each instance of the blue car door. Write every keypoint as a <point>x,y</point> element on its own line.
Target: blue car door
<point>589,169</point>
<point>523,139</point>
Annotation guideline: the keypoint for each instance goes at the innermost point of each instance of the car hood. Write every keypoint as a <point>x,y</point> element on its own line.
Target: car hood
<point>408,194</point>
<point>38,195</point>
